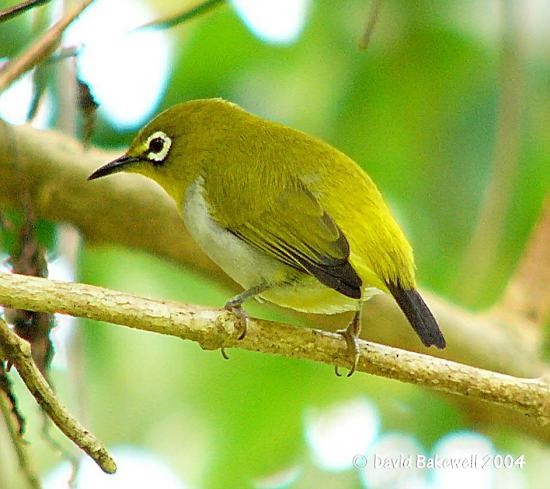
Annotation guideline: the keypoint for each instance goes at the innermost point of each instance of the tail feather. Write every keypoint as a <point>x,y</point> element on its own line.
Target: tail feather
<point>418,314</point>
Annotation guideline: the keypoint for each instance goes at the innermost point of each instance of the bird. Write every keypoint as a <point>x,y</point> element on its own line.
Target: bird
<point>290,218</point>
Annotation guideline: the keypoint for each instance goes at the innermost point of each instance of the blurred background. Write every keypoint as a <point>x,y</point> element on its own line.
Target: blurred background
<point>448,110</point>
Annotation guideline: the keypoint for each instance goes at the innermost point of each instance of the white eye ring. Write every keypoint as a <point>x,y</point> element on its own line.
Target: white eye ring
<point>158,145</point>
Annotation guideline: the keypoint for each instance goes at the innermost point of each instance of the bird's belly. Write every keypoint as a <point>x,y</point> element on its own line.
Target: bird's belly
<point>307,294</point>
<point>249,267</point>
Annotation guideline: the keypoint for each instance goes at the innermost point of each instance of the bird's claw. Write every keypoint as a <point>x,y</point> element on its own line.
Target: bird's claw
<point>234,306</point>
<point>351,335</point>
<point>241,315</point>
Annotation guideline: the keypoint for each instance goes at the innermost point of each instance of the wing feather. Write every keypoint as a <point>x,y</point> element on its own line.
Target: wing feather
<point>296,231</point>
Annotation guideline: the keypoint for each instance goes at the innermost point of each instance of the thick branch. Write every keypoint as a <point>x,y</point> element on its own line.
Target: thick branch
<point>18,352</point>
<point>216,328</point>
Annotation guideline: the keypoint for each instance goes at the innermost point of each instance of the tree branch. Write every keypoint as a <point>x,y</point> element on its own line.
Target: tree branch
<point>214,329</point>
<point>15,10</point>
<point>187,14</point>
<point>17,352</point>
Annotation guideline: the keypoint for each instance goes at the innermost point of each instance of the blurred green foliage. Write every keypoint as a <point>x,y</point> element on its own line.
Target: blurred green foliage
<point>418,111</point>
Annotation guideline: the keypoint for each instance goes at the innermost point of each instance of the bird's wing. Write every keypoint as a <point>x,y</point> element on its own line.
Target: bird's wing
<point>297,231</point>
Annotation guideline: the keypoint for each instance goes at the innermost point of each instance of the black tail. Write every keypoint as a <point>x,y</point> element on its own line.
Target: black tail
<point>418,314</point>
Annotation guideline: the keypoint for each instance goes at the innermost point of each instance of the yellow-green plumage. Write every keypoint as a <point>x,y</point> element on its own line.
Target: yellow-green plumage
<point>278,208</point>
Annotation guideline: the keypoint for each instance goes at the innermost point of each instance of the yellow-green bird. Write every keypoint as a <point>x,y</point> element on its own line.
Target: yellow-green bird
<point>293,220</point>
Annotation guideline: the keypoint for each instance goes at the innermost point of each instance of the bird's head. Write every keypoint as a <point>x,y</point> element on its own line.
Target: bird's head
<point>173,148</point>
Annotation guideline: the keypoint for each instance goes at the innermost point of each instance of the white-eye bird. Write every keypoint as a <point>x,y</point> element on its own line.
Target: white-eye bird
<point>290,218</point>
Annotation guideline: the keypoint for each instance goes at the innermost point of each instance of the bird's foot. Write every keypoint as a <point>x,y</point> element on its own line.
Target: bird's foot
<point>235,306</point>
<point>242,316</point>
<point>351,335</point>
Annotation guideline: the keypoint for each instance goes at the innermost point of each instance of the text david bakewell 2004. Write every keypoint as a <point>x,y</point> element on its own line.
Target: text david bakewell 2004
<point>473,461</point>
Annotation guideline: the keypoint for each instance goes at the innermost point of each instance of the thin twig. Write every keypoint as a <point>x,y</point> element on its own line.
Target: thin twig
<point>157,24</point>
<point>214,329</point>
<point>374,13</point>
<point>175,19</point>
<point>11,12</point>
<point>40,49</point>
<point>18,352</point>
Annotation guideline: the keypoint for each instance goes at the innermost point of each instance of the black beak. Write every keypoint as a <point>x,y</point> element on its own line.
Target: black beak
<point>114,166</point>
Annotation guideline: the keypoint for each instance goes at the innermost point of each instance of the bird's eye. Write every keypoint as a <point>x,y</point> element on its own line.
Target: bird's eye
<point>158,145</point>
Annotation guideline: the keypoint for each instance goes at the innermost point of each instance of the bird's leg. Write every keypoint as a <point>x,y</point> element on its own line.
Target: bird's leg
<point>235,306</point>
<point>351,334</point>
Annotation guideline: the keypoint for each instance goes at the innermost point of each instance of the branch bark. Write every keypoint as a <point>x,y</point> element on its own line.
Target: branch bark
<point>214,329</point>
